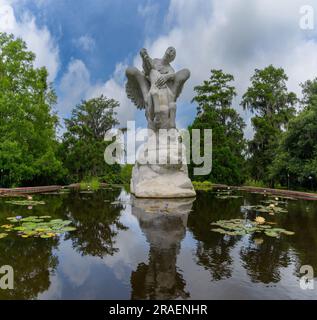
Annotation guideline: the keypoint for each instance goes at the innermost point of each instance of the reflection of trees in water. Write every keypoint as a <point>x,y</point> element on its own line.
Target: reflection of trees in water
<point>53,204</point>
<point>216,257</point>
<point>32,261</point>
<point>97,222</point>
<point>302,219</point>
<point>160,278</point>
<point>213,250</point>
<point>263,262</point>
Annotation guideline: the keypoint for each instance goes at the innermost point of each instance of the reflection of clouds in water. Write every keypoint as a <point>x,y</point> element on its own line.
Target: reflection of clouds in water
<point>55,290</point>
<point>195,276</point>
<point>198,277</point>
<point>74,266</point>
<point>77,269</point>
<point>132,244</point>
<point>133,248</point>
<point>124,196</point>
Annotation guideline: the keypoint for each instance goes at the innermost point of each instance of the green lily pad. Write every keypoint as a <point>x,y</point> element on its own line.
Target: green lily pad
<point>67,229</point>
<point>240,227</point>
<point>12,219</point>
<point>287,198</point>
<point>25,202</point>
<point>3,235</point>
<point>36,226</point>
<point>56,221</point>
<point>45,236</point>
<point>19,228</point>
<point>219,230</point>
<point>288,233</point>
<point>264,209</point>
<point>275,202</point>
<point>224,197</point>
<point>271,233</point>
<point>7,226</point>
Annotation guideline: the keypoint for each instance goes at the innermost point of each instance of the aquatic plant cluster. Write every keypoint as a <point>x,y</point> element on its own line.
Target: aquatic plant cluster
<point>241,227</point>
<point>36,226</point>
<point>25,202</point>
<point>271,209</point>
<point>226,194</point>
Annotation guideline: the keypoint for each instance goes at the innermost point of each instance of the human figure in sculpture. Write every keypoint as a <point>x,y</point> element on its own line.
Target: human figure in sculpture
<point>160,99</point>
<point>157,88</point>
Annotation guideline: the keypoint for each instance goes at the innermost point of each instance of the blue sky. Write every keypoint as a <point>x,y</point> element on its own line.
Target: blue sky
<point>86,45</point>
<point>116,28</point>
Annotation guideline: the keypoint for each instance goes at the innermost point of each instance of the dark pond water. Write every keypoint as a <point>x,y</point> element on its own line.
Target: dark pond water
<point>129,250</point>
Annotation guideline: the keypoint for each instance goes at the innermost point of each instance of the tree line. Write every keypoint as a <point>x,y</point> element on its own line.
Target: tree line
<point>282,152</point>
<point>30,152</point>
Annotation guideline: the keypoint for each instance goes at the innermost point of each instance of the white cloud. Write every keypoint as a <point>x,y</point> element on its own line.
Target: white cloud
<point>238,36</point>
<point>85,42</point>
<point>148,12</point>
<point>38,39</point>
<point>76,85</point>
<point>235,35</point>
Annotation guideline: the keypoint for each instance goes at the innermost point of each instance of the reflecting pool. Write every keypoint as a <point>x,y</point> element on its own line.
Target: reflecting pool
<point>127,248</point>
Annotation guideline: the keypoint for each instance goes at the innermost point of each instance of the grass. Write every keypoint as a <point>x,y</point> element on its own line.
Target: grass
<point>92,184</point>
<point>202,185</point>
<point>255,183</point>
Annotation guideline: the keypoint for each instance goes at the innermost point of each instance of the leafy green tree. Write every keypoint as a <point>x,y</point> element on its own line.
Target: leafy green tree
<point>83,142</point>
<point>27,124</point>
<point>296,162</point>
<point>214,98</point>
<point>273,106</point>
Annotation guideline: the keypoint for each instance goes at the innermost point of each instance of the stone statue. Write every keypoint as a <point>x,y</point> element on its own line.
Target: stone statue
<point>156,90</point>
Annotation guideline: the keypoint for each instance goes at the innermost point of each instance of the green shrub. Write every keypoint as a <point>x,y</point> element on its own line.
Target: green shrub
<point>205,185</point>
<point>90,183</point>
<point>255,183</point>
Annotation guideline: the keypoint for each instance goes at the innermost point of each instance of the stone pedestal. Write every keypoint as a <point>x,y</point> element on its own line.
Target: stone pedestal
<point>161,170</point>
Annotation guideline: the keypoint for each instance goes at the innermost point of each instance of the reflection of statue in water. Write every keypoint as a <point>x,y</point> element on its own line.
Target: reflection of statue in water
<point>161,162</point>
<point>164,225</point>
